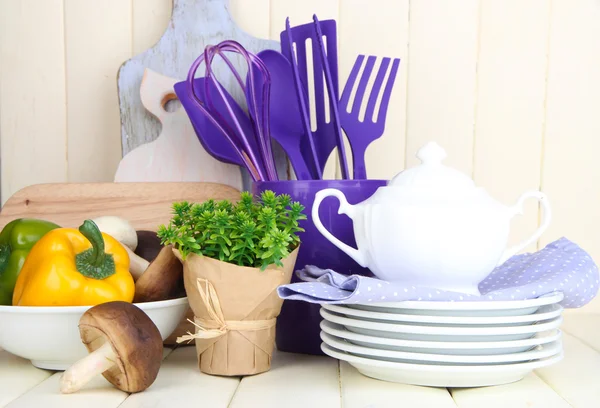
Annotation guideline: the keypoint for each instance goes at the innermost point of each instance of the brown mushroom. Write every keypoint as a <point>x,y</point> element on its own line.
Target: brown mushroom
<point>125,347</point>
<point>162,280</point>
<point>149,245</point>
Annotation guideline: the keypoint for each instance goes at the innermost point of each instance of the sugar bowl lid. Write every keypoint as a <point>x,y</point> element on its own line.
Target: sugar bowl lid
<point>431,174</point>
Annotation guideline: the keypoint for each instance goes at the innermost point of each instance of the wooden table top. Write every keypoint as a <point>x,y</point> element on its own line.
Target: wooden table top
<point>314,381</point>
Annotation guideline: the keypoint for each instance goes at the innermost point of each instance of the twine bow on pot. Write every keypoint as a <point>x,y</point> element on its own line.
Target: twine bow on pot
<point>216,325</point>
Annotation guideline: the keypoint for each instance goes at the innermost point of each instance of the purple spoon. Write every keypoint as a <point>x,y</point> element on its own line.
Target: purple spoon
<point>213,137</point>
<point>284,113</point>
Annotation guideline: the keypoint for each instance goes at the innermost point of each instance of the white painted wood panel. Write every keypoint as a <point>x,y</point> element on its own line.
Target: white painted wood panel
<point>294,381</point>
<point>571,169</point>
<point>98,393</point>
<point>388,38</point>
<point>33,127</point>
<point>359,391</point>
<point>180,383</point>
<point>93,57</point>
<point>17,376</point>
<point>530,392</point>
<point>582,363</point>
<point>252,16</point>
<point>149,21</point>
<point>511,89</point>
<point>442,54</point>
<point>584,326</point>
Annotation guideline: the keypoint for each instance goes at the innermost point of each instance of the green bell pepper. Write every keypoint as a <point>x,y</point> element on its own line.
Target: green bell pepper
<point>16,240</point>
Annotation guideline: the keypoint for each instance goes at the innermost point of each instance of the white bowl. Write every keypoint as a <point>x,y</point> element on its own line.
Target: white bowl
<point>49,336</point>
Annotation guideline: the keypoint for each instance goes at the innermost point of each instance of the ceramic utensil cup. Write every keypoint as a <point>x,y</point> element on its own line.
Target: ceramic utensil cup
<point>298,324</point>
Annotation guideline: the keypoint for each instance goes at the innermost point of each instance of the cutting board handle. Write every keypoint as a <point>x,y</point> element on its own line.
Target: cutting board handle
<point>155,91</point>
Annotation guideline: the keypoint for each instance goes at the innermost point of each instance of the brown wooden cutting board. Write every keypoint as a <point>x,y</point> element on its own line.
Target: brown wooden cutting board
<point>145,205</point>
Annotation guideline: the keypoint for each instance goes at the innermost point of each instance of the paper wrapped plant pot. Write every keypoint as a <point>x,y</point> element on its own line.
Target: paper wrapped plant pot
<point>235,313</point>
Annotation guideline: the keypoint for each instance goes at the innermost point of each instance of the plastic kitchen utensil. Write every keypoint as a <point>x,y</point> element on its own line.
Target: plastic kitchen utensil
<point>295,39</point>
<point>432,227</point>
<point>261,123</point>
<point>252,148</point>
<point>361,133</point>
<point>284,112</point>
<point>309,148</point>
<point>210,134</point>
<point>333,97</point>
<point>297,328</point>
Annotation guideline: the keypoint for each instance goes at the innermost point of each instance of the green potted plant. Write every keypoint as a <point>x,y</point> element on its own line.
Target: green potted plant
<point>234,256</point>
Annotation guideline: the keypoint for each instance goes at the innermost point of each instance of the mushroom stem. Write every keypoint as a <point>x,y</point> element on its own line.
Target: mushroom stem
<point>137,264</point>
<point>80,373</point>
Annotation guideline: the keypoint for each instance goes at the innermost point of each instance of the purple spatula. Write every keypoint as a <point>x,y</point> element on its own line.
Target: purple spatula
<point>323,137</point>
<point>332,92</point>
<point>285,116</point>
<point>361,133</point>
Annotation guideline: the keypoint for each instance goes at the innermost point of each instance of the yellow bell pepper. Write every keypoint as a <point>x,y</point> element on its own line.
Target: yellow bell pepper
<point>70,267</point>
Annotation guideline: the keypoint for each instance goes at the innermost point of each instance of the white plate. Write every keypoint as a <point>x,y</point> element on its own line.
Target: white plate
<point>543,313</point>
<point>467,308</point>
<point>466,348</point>
<point>436,333</point>
<point>441,376</point>
<point>539,352</point>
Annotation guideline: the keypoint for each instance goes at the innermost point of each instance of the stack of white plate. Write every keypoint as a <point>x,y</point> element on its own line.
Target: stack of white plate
<point>445,344</point>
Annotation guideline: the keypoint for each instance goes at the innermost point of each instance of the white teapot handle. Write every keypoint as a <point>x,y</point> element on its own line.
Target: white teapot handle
<point>345,208</point>
<point>518,209</point>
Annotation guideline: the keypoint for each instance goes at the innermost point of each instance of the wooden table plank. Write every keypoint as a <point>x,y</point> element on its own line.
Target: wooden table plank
<point>295,380</point>
<point>359,391</point>
<point>98,393</point>
<point>17,376</point>
<point>530,392</point>
<point>577,376</point>
<point>180,383</point>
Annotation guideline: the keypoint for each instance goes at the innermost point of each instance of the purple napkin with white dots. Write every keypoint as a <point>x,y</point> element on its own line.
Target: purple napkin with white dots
<point>561,266</point>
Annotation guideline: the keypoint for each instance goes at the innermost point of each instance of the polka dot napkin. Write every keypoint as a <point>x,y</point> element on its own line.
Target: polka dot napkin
<point>561,266</point>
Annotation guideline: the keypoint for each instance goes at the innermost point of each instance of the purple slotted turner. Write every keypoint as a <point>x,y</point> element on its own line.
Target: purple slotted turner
<point>362,133</point>
<point>323,137</point>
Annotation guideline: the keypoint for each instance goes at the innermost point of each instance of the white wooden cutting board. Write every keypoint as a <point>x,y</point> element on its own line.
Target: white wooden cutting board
<point>194,24</point>
<point>176,155</point>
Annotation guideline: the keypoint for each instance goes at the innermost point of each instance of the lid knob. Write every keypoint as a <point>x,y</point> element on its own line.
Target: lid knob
<point>431,153</point>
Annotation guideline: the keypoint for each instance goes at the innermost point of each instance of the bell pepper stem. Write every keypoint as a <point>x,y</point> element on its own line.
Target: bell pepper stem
<point>94,262</point>
<point>90,230</point>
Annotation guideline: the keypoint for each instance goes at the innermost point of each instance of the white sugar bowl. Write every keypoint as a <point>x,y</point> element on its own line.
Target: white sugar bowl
<point>431,226</point>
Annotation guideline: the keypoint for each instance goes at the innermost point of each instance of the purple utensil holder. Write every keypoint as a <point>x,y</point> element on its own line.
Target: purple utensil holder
<point>297,329</point>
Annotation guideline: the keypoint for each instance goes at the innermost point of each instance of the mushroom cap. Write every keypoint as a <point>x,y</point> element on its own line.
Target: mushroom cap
<point>134,338</point>
<point>149,245</point>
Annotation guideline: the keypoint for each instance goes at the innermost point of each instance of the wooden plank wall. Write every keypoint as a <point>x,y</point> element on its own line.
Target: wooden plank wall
<point>510,88</point>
